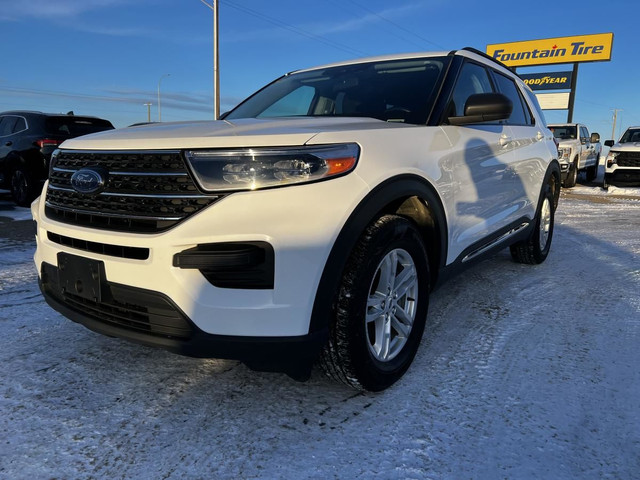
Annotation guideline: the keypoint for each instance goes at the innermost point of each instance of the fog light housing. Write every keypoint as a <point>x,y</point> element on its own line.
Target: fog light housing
<point>248,265</point>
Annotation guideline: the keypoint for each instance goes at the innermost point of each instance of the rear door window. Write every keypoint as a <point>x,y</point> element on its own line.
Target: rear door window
<point>20,125</point>
<point>520,114</point>
<point>7,124</point>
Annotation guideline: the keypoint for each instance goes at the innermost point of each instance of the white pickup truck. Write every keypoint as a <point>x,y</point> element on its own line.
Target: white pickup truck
<point>577,151</point>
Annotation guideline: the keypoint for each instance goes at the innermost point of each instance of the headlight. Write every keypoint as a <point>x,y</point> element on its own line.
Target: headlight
<point>564,152</point>
<point>611,158</point>
<point>254,168</point>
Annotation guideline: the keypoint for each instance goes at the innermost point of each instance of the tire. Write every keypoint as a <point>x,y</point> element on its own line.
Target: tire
<point>572,176</point>
<point>22,187</point>
<point>535,249</point>
<point>592,172</point>
<point>377,328</point>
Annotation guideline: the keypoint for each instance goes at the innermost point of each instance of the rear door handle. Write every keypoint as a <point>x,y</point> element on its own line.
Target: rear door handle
<point>504,140</point>
<point>8,144</point>
<point>539,136</point>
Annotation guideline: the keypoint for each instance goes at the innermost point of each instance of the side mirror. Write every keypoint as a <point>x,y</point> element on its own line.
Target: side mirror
<point>609,143</point>
<point>595,137</point>
<point>484,107</point>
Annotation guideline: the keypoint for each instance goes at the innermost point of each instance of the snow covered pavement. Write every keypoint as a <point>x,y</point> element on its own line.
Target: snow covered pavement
<point>525,372</point>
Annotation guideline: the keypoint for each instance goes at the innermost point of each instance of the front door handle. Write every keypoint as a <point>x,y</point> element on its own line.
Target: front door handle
<point>504,140</point>
<point>8,144</point>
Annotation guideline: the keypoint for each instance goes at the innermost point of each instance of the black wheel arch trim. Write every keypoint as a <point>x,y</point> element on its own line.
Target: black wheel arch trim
<point>384,198</point>
<point>552,170</point>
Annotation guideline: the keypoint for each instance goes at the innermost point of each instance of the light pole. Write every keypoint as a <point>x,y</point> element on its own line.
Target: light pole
<point>615,117</point>
<point>148,105</point>
<point>216,74</point>
<point>159,106</point>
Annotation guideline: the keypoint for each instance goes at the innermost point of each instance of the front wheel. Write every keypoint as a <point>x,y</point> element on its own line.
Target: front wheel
<point>572,176</point>
<point>381,307</point>
<point>592,172</point>
<point>535,249</point>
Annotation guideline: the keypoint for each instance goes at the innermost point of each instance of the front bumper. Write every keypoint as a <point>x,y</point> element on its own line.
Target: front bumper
<point>301,223</point>
<point>620,176</point>
<point>564,171</point>
<point>114,318</point>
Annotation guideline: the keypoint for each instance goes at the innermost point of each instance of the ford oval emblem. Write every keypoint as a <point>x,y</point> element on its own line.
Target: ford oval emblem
<point>88,180</point>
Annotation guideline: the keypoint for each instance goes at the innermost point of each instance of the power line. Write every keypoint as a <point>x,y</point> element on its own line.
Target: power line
<point>296,30</point>
<point>391,22</point>
<point>340,5</point>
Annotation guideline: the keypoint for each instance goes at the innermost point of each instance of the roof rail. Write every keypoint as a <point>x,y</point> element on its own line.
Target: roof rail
<point>482,54</point>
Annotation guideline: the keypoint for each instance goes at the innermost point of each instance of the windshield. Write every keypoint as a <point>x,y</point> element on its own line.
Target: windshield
<point>393,91</point>
<point>564,132</point>
<point>631,135</point>
<point>75,126</point>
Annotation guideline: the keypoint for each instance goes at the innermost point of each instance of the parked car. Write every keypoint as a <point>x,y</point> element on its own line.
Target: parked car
<point>622,165</point>
<point>310,225</point>
<point>577,151</point>
<point>27,140</point>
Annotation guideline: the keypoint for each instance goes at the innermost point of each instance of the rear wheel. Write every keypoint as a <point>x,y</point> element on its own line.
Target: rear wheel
<point>535,249</point>
<point>381,308</point>
<point>22,188</point>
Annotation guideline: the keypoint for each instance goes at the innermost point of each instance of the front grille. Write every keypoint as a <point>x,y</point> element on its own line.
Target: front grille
<point>628,159</point>
<point>132,308</point>
<point>145,192</point>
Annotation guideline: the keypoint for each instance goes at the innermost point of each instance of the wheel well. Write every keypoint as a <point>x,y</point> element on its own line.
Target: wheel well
<point>406,195</point>
<point>418,211</point>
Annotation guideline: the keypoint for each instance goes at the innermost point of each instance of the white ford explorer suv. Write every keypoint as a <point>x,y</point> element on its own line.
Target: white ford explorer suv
<point>311,223</point>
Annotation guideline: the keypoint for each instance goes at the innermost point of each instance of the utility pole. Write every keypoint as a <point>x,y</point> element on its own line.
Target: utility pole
<point>148,105</point>
<point>615,117</point>
<point>216,74</point>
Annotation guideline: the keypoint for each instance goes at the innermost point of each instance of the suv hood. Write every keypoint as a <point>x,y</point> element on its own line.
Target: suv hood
<point>626,147</point>
<point>567,142</point>
<point>286,131</point>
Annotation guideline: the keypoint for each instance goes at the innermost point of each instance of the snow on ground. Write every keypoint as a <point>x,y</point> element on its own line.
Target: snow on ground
<point>524,372</point>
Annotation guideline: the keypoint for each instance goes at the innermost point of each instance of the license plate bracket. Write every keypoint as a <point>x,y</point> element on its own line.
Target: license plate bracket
<point>81,276</point>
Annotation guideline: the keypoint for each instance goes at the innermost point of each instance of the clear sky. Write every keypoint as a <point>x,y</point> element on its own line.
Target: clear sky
<point>106,57</point>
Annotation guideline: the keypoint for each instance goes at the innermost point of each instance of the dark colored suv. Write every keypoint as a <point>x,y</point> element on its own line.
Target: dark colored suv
<point>27,140</point>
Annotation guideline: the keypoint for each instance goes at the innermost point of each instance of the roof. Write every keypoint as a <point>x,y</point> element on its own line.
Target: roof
<point>465,52</point>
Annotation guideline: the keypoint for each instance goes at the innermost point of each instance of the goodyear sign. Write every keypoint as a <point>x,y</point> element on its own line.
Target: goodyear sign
<point>583,48</point>
<point>547,81</point>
